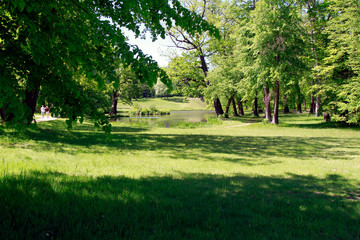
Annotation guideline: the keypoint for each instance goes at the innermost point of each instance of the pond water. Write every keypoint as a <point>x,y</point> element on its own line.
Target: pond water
<point>174,118</point>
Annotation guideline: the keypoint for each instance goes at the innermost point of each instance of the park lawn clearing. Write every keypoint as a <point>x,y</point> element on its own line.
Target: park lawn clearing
<point>167,103</point>
<point>298,180</point>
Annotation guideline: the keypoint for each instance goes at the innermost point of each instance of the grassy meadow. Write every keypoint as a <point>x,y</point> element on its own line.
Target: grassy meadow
<point>166,103</point>
<point>232,180</point>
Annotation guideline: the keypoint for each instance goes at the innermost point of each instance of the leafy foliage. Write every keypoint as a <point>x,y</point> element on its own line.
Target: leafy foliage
<point>341,67</point>
<point>46,45</point>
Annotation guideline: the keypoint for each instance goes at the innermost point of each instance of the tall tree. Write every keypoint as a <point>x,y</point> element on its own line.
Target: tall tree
<point>197,42</point>
<point>341,66</point>
<point>129,88</point>
<point>187,79</point>
<point>45,45</point>
<point>315,16</point>
<point>277,44</point>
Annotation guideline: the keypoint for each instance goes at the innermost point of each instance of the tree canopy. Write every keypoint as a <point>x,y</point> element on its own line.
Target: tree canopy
<point>47,46</point>
<point>299,52</point>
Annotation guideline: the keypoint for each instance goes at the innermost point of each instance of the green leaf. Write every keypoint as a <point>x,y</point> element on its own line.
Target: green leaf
<point>21,5</point>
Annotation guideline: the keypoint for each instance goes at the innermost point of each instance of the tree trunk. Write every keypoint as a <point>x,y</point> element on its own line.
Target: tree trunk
<point>304,104</point>
<point>217,103</point>
<point>4,115</point>
<point>267,98</point>
<point>286,105</point>
<point>113,110</point>
<point>312,104</point>
<point>327,117</point>
<point>275,119</point>
<point>298,107</point>
<point>218,107</point>
<point>240,107</point>
<point>317,106</point>
<point>234,107</point>
<point>286,109</point>
<point>256,106</point>
<point>31,96</point>
<point>228,107</point>
<point>298,102</point>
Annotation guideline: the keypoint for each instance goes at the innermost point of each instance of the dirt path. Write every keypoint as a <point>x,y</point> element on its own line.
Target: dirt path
<point>44,119</point>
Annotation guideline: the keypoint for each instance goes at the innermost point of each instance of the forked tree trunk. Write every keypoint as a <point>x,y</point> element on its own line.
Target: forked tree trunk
<point>113,110</point>
<point>267,98</point>
<point>240,107</point>
<point>275,119</point>
<point>234,107</point>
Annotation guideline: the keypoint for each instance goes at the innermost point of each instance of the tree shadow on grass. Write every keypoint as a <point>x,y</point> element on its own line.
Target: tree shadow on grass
<point>248,150</point>
<point>322,125</point>
<point>305,120</point>
<point>52,205</point>
<point>247,118</point>
<point>176,99</point>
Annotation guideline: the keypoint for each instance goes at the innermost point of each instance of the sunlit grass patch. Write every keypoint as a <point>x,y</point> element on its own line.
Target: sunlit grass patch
<point>234,180</point>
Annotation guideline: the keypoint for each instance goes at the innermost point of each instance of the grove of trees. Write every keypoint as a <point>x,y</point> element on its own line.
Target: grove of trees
<point>63,51</point>
<point>274,54</point>
<point>268,55</point>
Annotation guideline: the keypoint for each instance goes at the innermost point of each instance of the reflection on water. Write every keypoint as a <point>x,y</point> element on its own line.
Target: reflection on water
<point>174,118</point>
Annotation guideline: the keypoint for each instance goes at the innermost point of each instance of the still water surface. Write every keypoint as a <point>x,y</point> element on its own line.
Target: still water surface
<point>174,118</point>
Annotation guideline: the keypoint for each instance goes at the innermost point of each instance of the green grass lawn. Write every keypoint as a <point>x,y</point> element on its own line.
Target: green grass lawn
<point>171,103</point>
<point>298,180</point>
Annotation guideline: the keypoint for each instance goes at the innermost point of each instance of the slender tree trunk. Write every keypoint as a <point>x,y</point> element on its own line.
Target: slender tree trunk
<point>217,104</point>
<point>312,102</point>
<point>256,106</point>
<point>298,99</point>
<point>286,109</point>
<point>298,107</point>
<point>313,105</point>
<point>304,104</point>
<point>286,105</point>
<point>317,106</point>
<point>228,107</point>
<point>113,110</point>
<point>234,107</point>
<point>240,107</point>
<point>267,98</point>
<point>275,119</point>
<point>218,107</point>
